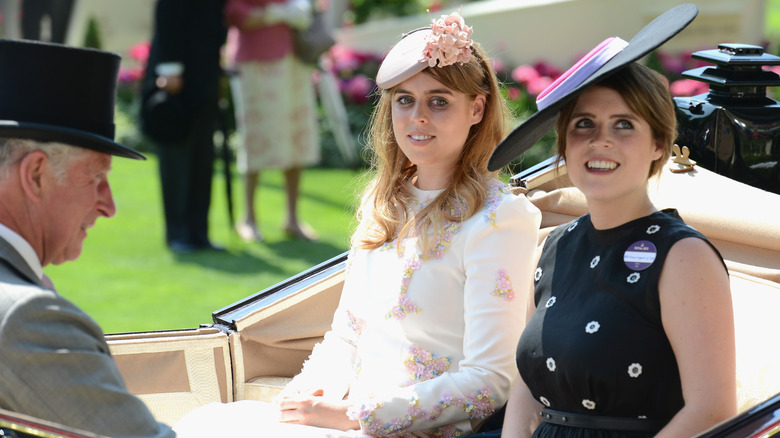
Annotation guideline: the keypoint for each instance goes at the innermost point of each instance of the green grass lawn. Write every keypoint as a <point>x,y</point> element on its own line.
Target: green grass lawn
<point>128,280</point>
<point>772,29</point>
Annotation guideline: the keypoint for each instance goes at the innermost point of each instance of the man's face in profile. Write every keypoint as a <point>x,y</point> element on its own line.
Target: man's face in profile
<point>72,206</point>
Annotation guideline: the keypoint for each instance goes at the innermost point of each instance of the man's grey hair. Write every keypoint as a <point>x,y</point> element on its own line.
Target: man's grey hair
<point>61,155</point>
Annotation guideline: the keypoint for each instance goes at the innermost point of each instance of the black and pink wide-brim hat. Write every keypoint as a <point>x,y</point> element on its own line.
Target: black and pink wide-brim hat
<point>57,93</point>
<point>601,62</point>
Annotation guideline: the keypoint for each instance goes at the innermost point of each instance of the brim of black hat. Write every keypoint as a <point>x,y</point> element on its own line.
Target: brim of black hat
<point>657,32</point>
<point>73,137</point>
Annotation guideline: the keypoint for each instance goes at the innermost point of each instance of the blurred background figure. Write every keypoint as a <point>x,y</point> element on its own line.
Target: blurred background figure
<point>42,20</point>
<point>180,91</point>
<point>46,20</point>
<point>274,101</point>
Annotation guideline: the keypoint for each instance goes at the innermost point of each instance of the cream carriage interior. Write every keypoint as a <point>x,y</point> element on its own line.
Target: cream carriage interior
<point>254,346</point>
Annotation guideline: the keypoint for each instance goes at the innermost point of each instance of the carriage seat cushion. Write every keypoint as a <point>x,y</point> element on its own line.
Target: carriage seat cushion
<point>264,388</point>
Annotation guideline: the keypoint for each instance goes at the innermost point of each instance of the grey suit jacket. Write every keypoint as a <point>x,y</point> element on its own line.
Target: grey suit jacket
<point>55,363</point>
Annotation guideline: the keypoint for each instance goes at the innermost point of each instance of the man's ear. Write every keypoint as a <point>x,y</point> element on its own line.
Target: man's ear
<point>32,170</point>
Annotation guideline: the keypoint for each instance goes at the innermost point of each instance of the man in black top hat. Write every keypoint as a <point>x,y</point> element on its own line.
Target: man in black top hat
<point>181,89</point>
<point>56,146</point>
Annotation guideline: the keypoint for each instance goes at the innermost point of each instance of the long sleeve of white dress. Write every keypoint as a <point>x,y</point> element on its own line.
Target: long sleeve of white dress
<point>427,343</point>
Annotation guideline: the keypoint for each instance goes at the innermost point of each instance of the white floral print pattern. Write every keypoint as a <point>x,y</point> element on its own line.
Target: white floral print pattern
<point>633,278</point>
<point>652,229</point>
<point>634,370</point>
<point>589,404</point>
<point>592,327</point>
<point>551,364</point>
<point>595,262</point>
<point>550,302</point>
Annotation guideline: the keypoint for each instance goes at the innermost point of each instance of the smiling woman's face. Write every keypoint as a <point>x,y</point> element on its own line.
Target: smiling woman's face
<point>609,148</point>
<point>431,123</point>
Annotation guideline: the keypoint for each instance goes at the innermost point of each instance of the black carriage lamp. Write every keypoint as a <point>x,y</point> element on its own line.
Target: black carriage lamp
<point>734,129</point>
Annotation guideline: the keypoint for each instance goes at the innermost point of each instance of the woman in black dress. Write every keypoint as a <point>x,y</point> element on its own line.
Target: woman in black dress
<point>630,329</point>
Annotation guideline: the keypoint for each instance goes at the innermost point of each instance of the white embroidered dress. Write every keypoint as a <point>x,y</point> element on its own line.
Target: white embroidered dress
<point>428,343</point>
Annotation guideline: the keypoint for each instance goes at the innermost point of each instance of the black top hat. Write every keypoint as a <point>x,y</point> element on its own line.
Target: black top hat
<point>53,92</point>
<point>660,30</point>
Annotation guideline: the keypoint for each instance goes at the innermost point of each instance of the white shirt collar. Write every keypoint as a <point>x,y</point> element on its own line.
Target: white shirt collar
<point>423,196</point>
<point>23,248</point>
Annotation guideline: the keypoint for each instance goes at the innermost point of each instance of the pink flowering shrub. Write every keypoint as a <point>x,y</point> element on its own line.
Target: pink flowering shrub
<point>132,73</point>
<point>355,72</point>
<point>688,87</point>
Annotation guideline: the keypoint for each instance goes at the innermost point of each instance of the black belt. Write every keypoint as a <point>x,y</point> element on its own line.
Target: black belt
<point>600,422</point>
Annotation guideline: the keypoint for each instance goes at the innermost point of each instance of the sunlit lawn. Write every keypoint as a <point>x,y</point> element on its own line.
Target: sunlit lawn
<point>773,24</point>
<point>128,281</point>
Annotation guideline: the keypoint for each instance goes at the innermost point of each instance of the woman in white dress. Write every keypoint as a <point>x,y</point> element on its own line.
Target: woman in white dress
<point>423,340</point>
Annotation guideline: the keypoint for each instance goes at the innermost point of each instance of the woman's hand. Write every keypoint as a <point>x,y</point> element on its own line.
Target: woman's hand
<point>315,410</point>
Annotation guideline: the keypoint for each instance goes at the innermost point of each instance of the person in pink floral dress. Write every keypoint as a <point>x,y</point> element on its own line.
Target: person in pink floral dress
<point>275,103</point>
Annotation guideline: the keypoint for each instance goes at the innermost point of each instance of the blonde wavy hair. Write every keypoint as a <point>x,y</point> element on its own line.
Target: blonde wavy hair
<point>384,214</point>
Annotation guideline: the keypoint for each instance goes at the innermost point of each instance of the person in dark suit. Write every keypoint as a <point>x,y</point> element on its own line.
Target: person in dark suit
<point>56,146</point>
<point>182,75</point>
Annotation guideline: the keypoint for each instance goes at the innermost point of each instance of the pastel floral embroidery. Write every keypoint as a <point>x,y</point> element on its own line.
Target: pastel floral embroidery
<point>634,370</point>
<point>425,365</point>
<point>357,367</point>
<point>477,406</point>
<point>355,323</point>
<point>544,401</point>
<point>387,246</point>
<point>572,226</point>
<point>595,262</point>
<point>405,305</point>
<point>550,302</point>
<point>503,286</point>
<point>445,431</point>
<point>415,205</point>
<point>481,405</point>
<point>444,239</point>
<point>592,327</point>
<point>652,229</point>
<point>589,404</point>
<point>458,207</point>
<point>495,191</point>
<point>633,278</point>
<point>551,364</point>
<point>538,274</point>
<point>350,259</point>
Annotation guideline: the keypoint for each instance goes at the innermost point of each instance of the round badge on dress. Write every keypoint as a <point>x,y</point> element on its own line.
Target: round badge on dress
<point>640,255</point>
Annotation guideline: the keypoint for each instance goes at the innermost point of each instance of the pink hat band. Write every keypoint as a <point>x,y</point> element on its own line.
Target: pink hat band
<point>581,71</point>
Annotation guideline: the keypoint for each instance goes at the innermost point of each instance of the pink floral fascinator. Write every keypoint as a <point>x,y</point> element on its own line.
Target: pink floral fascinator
<point>446,42</point>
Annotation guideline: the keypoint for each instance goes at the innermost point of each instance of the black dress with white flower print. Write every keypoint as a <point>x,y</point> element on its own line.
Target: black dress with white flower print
<point>596,344</point>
